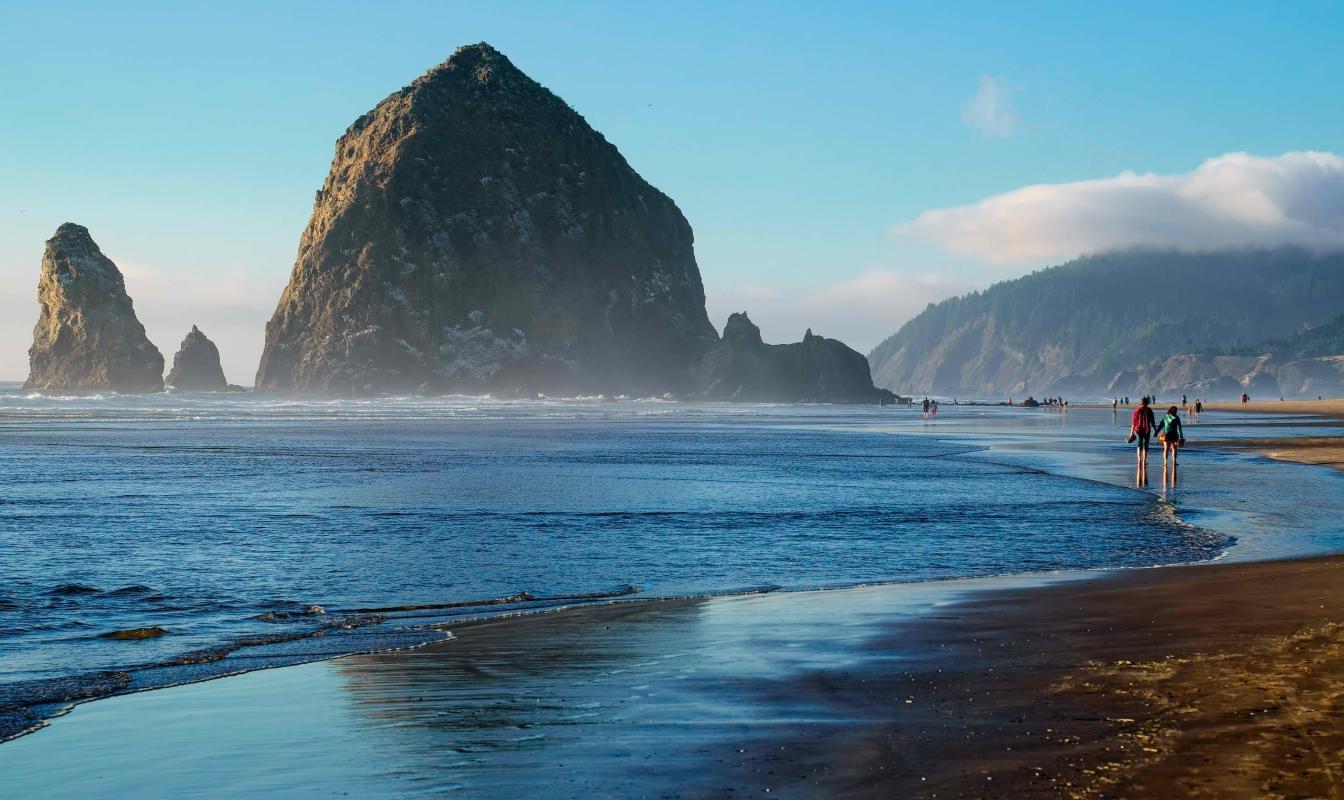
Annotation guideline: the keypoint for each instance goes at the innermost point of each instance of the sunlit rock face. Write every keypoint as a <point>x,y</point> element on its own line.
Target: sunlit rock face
<point>87,336</point>
<point>476,234</point>
<point>196,365</point>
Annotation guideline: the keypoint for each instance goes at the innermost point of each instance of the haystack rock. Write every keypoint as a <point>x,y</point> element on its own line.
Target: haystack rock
<point>196,365</point>
<point>87,336</point>
<point>815,370</point>
<point>476,234</point>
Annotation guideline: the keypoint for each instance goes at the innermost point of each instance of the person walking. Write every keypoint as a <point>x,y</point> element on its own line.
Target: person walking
<point>1171,435</point>
<point>926,408</point>
<point>1141,425</point>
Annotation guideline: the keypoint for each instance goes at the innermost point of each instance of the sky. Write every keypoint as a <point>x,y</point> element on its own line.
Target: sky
<point>842,165</point>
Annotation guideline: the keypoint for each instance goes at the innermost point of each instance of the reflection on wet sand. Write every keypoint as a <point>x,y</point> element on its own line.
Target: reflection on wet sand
<point>619,700</point>
<point>524,703</point>
<point>672,698</point>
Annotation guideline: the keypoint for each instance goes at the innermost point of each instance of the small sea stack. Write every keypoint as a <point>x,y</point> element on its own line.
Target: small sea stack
<point>87,337</point>
<point>196,365</point>
<point>815,370</point>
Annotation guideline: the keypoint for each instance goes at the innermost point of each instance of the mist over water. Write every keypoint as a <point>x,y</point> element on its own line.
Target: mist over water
<point>230,520</point>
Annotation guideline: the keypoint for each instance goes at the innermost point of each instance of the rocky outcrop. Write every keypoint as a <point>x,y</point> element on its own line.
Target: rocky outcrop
<point>87,336</point>
<point>196,365</point>
<point>815,370</point>
<point>476,234</point>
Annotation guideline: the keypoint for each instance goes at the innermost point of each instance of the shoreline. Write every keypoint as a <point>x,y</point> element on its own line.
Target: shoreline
<point>1186,681</point>
<point>1319,450</point>
<point>952,699</point>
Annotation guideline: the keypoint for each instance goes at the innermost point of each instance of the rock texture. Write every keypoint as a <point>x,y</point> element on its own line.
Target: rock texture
<point>816,369</point>
<point>87,336</point>
<point>475,233</point>
<point>196,365</point>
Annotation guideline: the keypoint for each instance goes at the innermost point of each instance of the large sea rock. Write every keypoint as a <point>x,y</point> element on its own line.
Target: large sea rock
<point>87,337</point>
<point>816,370</point>
<point>196,365</point>
<point>476,234</point>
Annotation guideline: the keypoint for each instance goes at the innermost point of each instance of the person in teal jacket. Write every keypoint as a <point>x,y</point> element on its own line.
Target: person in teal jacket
<point>1171,434</point>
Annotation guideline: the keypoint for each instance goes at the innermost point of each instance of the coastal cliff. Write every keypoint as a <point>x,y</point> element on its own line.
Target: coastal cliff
<point>1094,325</point>
<point>196,365</point>
<point>476,234</point>
<point>87,336</point>
<point>815,370</point>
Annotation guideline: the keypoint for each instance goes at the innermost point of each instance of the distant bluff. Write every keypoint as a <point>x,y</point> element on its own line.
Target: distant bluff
<point>87,336</point>
<point>1094,326</point>
<point>475,233</point>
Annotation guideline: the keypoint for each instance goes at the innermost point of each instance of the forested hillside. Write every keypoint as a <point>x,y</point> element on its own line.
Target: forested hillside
<point>1073,327</point>
<point>1317,341</point>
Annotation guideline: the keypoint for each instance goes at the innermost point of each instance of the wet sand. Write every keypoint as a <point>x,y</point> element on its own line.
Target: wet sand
<point>1324,450</point>
<point>1209,681</point>
<point>1215,681</point>
<point>1330,406</point>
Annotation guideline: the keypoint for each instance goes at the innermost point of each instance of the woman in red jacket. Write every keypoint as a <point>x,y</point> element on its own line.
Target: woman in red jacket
<point>1141,426</point>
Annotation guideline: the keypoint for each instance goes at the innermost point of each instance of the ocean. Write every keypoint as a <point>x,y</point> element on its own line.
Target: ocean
<point>255,531</point>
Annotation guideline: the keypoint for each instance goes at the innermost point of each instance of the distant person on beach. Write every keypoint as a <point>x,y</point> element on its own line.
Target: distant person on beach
<point>933,409</point>
<point>1141,425</point>
<point>1199,408</point>
<point>1245,398</point>
<point>926,408</point>
<point>1171,435</point>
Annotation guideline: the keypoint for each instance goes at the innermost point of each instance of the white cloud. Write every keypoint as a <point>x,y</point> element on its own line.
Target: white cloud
<point>1234,200</point>
<point>990,109</point>
<point>860,312</point>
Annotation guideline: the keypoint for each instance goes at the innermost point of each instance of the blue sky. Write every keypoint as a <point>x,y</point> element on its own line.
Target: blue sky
<point>800,141</point>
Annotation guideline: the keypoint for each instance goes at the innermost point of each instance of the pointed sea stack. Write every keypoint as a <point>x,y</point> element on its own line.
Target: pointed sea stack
<point>196,365</point>
<point>476,234</point>
<point>87,336</point>
<point>815,370</point>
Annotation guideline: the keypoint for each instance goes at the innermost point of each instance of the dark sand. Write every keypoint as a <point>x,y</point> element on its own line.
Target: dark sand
<point>1207,681</point>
